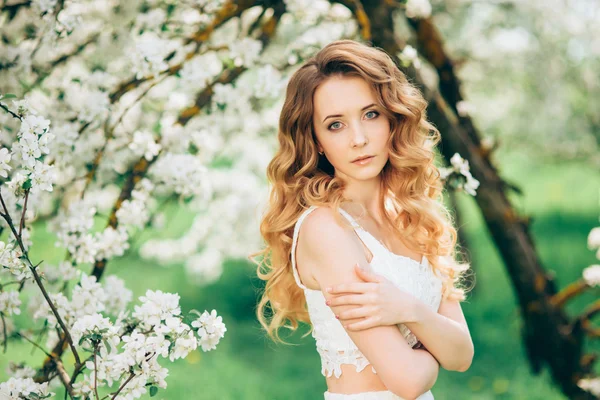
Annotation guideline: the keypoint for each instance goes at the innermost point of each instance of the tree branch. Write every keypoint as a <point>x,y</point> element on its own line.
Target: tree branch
<point>64,377</point>
<point>37,279</point>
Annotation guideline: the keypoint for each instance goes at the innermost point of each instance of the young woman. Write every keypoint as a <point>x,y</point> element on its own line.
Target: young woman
<point>358,243</point>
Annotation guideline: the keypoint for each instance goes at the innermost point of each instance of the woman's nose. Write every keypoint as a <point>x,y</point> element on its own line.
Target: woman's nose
<point>359,137</point>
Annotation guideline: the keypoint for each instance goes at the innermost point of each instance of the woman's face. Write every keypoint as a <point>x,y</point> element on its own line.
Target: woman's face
<point>349,124</point>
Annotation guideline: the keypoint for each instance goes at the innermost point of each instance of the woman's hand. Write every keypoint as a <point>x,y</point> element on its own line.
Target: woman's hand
<point>378,302</point>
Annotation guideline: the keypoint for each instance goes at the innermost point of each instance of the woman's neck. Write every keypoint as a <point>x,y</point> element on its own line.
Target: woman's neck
<point>364,196</point>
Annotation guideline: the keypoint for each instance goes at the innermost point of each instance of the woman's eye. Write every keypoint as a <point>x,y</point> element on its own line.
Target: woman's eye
<point>373,112</point>
<point>332,125</point>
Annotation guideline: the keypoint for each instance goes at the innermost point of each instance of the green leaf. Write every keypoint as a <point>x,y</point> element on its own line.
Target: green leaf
<point>170,9</point>
<point>9,96</point>
<point>27,184</point>
<point>153,391</point>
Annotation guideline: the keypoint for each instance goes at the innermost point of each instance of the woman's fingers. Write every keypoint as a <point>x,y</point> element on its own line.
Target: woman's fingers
<point>345,300</point>
<point>357,312</point>
<point>366,323</point>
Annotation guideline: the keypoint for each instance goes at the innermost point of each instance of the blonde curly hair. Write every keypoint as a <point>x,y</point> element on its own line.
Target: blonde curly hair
<point>299,178</point>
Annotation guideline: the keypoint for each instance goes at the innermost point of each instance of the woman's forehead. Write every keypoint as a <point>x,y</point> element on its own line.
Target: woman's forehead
<point>341,95</point>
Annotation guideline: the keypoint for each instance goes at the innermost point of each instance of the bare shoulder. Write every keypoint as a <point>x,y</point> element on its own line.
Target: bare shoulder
<point>322,227</point>
<point>329,247</point>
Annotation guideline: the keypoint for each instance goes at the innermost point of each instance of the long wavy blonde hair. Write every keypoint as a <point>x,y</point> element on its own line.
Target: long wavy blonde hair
<point>300,177</point>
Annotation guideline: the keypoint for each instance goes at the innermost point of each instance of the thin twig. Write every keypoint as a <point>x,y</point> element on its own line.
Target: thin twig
<point>591,311</point>
<point>4,331</point>
<point>78,370</point>
<point>123,385</point>
<point>572,290</point>
<point>22,224</point>
<point>96,372</point>
<point>3,285</point>
<point>10,112</point>
<point>35,344</point>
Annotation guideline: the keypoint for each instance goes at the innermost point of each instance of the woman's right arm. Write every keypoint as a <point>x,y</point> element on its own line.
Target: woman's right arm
<point>329,252</point>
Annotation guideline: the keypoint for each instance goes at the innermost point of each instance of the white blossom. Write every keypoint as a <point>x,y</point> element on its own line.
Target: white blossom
<point>23,107</point>
<point>471,185</point>
<point>460,166</point>
<point>117,295</point>
<point>90,324</point>
<point>208,142</point>
<point>92,105</point>
<point>591,385</point>
<point>67,20</point>
<point>11,261</point>
<point>410,56</point>
<point>156,307</point>
<point>464,108</point>
<point>84,386</point>
<point>183,174</point>
<point>211,329</point>
<point>88,297</point>
<point>200,70</point>
<point>4,160</point>
<point>133,213</point>
<point>62,305</point>
<point>10,303</point>
<point>42,177</point>
<point>19,388</point>
<point>111,243</point>
<point>153,19</point>
<point>593,241</point>
<point>34,125</point>
<point>65,271</point>
<point>591,275</point>
<point>144,144</point>
<point>418,9</point>
<point>149,55</point>
<point>45,6</point>
<point>206,267</point>
<point>268,82</point>
<point>245,52</point>
<point>84,248</point>
<point>20,371</point>
<point>184,345</point>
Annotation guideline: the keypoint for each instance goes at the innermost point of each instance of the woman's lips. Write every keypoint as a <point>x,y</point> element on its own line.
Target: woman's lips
<point>363,161</point>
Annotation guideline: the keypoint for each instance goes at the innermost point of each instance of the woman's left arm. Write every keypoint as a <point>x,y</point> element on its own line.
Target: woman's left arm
<point>444,333</point>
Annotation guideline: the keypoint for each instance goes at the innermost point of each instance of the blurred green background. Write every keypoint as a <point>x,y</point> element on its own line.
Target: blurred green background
<point>563,200</point>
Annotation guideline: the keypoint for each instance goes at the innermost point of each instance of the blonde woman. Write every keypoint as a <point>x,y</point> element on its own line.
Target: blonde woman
<point>358,242</point>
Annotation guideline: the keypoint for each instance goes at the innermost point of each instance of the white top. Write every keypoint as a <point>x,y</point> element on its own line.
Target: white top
<point>333,343</point>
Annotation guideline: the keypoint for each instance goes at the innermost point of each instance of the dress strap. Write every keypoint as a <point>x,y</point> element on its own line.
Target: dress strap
<point>295,241</point>
<point>369,241</point>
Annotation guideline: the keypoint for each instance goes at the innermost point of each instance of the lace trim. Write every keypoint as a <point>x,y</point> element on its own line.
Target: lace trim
<point>381,395</point>
<point>331,361</point>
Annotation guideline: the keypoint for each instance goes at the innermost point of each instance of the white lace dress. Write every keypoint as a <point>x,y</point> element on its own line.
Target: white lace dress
<point>332,341</point>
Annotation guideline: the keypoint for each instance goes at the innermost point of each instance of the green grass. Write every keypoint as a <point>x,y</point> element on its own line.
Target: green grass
<point>563,201</point>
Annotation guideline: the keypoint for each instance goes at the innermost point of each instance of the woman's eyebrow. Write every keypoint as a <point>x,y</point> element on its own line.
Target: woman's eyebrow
<point>340,115</point>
